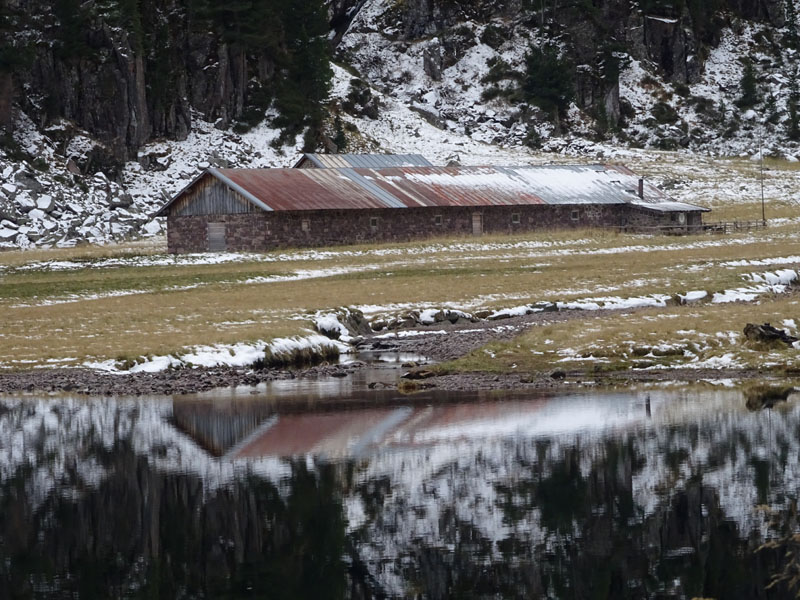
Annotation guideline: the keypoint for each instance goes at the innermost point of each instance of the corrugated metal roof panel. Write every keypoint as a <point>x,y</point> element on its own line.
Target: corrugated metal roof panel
<point>452,186</point>
<point>369,184</point>
<point>368,161</point>
<point>670,206</point>
<point>304,189</point>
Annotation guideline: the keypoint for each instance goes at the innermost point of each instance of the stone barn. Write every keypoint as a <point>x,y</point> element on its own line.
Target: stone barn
<point>262,209</point>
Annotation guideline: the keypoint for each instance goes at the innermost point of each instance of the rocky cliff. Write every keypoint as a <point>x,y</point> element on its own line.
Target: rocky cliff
<point>148,91</point>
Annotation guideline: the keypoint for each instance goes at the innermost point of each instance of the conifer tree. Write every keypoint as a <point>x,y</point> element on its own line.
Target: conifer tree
<point>793,42</point>
<point>791,25</point>
<point>547,82</point>
<point>339,137</point>
<point>306,78</point>
<point>749,86</point>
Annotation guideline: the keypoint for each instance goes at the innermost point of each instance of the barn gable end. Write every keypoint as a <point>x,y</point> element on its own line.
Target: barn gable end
<point>210,196</point>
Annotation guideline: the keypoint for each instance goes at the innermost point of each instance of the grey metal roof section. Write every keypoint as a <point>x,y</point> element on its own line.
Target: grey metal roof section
<point>368,184</point>
<point>366,161</point>
<point>595,184</point>
<point>578,184</point>
<point>236,187</point>
<point>670,206</point>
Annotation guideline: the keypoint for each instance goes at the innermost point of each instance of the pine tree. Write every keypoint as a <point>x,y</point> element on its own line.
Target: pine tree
<point>791,26</point>
<point>547,82</point>
<point>339,137</point>
<point>748,86</point>
<point>305,82</point>
<point>73,25</point>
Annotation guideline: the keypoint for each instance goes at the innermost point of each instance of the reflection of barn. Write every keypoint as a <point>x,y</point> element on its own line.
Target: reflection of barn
<point>356,198</point>
<point>252,430</point>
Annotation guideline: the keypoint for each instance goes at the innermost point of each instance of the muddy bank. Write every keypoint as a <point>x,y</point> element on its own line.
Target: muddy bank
<point>178,381</point>
<point>579,379</point>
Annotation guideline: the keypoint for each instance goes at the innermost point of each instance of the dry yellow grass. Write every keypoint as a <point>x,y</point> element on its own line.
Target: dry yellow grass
<point>700,335</point>
<point>129,310</point>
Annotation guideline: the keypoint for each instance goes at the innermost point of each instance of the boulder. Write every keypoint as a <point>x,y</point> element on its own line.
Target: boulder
<point>378,325</point>
<point>352,320</point>
<point>121,201</point>
<point>45,202</point>
<point>29,181</point>
<point>767,334</point>
<point>152,228</point>
<point>419,374</point>
<point>25,203</point>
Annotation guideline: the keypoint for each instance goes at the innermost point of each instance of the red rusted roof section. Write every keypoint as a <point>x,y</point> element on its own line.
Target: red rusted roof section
<point>343,189</point>
<point>298,189</point>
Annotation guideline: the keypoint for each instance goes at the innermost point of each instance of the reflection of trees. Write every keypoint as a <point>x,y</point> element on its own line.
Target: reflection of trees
<point>575,531</point>
<point>511,518</point>
<point>142,534</point>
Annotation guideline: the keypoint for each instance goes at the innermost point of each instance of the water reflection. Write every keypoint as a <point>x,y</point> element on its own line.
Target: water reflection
<point>583,496</point>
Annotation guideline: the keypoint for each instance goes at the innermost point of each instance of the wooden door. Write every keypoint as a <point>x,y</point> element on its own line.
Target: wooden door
<point>216,237</point>
<point>477,223</point>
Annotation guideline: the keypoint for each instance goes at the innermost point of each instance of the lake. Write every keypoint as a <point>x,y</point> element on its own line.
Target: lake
<point>283,492</point>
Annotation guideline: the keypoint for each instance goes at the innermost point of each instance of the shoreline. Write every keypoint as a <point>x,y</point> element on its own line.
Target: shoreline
<point>456,341</point>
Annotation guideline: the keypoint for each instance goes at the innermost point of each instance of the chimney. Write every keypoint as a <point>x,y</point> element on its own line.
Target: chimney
<point>641,187</point>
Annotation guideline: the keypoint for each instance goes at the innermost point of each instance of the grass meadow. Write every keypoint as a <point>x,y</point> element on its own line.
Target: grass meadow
<point>70,306</point>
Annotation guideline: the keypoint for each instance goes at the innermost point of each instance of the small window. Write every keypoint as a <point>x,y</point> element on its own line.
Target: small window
<point>437,220</point>
<point>373,222</point>
<point>305,225</point>
<point>576,214</point>
<point>515,218</point>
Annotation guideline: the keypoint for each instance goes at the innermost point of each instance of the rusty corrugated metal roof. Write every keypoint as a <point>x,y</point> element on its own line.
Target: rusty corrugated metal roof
<point>407,187</point>
<point>305,189</point>
<point>368,161</point>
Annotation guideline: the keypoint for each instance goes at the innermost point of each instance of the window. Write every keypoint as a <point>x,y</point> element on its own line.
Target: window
<point>437,220</point>
<point>305,225</point>
<point>373,222</point>
<point>576,214</point>
<point>515,218</point>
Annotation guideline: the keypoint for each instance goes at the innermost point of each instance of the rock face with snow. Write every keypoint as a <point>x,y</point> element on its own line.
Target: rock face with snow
<point>147,98</point>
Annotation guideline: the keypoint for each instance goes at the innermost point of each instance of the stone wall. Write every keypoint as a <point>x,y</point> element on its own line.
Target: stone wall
<point>642,219</point>
<point>265,231</point>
